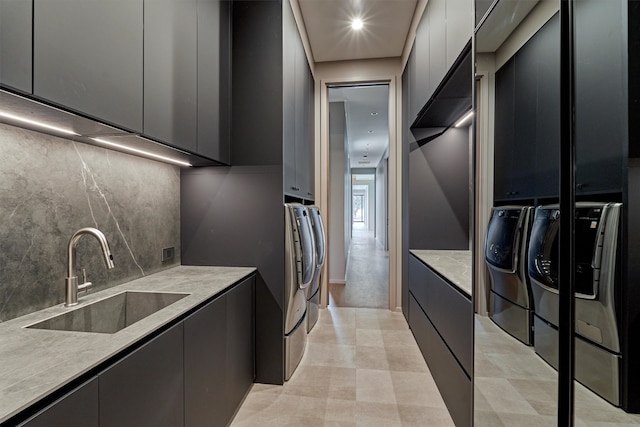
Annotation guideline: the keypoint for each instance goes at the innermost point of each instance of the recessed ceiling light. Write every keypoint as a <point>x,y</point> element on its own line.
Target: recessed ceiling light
<point>370,131</point>
<point>374,113</point>
<point>357,24</point>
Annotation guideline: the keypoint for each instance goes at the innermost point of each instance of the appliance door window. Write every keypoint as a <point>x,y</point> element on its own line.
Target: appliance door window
<point>543,248</point>
<point>502,238</point>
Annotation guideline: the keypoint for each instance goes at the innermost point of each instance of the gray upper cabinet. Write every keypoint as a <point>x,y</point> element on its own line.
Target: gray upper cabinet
<point>459,27</point>
<point>214,79</point>
<point>16,44</point>
<point>170,71</point>
<point>297,112</point>
<point>289,99</point>
<point>419,81</point>
<point>437,11</point>
<point>87,57</point>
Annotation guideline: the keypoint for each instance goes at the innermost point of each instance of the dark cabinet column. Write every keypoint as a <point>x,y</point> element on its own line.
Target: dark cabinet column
<point>504,130</point>
<point>16,44</point>
<point>214,79</point>
<point>77,408</point>
<point>87,56</point>
<point>146,388</point>
<point>601,95</point>
<point>170,72</point>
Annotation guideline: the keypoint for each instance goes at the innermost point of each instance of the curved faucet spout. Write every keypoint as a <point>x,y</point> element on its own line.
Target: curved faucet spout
<point>71,282</point>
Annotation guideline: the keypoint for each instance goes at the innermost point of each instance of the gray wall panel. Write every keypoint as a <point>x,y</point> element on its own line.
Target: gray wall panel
<point>235,216</point>
<point>439,193</point>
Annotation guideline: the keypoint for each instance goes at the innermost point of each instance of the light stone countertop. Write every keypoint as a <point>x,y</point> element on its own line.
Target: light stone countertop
<point>455,266</point>
<point>35,363</point>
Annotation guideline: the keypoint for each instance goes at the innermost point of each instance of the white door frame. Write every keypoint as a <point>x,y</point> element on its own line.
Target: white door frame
<point>322,174</point>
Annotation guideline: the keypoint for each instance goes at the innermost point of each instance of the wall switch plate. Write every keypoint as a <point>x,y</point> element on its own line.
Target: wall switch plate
<point>167,254</point>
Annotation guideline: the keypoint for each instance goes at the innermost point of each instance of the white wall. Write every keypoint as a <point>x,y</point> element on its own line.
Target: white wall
<point>381,203</point>
<point>337,239</point>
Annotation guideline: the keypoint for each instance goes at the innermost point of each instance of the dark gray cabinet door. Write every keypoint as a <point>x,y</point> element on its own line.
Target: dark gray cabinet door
<point>304,139</point>
<point>146,388</point>
<point>214,79</point>
<point>205,367</point>
<point>77,408</point>
<point>437,10</point>
<point>219,357</point>
<point>289,99</point>
<point>504,131</point>
<point>601,80</point>
<point>240,347</point>
<point>16,44</point>
<point>523,169</point>
<point>547,143</point>
<point>419,73</point>
<point>170,72</point>
<point>87,56</point>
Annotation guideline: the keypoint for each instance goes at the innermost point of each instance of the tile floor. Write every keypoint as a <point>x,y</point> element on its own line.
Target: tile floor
<point>515,387</point>
<point>361,367</point>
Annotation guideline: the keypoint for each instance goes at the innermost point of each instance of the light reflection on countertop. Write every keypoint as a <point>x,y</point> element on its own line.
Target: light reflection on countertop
<point>454,265</point>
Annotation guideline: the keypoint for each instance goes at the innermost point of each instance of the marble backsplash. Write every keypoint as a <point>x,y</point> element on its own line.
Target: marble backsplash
<point>50,187</point>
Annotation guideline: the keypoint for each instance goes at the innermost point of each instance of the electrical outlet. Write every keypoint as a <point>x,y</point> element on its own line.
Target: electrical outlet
<point>167,254</point>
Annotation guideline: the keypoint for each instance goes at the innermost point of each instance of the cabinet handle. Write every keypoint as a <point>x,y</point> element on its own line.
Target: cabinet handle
<point>580,186</point>
<point>295,188</point>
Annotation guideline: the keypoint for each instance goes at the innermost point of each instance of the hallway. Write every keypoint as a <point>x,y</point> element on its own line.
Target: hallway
<point>367,273</point>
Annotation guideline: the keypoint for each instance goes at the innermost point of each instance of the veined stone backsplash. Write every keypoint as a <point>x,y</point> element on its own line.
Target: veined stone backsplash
<point>51,187</point>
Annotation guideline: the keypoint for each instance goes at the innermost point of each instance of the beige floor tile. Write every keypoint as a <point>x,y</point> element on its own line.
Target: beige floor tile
<point>420,416</point>
<point>338,355</point>
<point>398,338</point>
<point>502,396</point>
<point>369,337</point>
<point>416,389</point>
<point>334,334</point>
<point>374,386</point>
<point>371,358</point>
<point>338,410</point>
<point>406,359</point>
<point>370,414</point>
<point>526,420</point>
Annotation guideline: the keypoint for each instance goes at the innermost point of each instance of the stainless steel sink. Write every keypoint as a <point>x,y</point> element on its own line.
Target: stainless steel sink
<point>112,314</point>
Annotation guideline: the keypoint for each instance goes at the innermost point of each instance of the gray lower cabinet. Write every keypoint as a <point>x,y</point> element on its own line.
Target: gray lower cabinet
<point>441,320</point>
<point>87,56</point>
<point>171,72</point>
<point>77,408</point>
<point>16,44</point>
<point>218,357</point>
<point>146,388</point>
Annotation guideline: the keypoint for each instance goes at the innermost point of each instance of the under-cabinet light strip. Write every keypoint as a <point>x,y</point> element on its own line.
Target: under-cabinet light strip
<point>144,153</point>
<point>464,119</point>
<point>37,123</point>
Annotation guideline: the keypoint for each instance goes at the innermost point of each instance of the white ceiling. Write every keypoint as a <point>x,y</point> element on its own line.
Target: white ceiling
<point>367,133</point>
<point>384,35</point>
<point>328,26</point>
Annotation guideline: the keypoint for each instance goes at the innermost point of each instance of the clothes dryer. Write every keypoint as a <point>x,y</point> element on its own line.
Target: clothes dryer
<point>299,269</point>
<point>313,290</point>
<point>506,257</point>
<point>598,354</point>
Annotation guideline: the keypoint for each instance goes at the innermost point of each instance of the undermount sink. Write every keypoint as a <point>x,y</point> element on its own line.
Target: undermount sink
<point>112,314</point>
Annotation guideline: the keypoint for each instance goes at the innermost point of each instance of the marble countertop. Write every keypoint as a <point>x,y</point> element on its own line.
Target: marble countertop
<point>35,362</point>
<point>453,265</point>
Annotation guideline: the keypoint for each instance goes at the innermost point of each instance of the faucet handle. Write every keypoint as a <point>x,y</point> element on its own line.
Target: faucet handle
<point>85,285</point>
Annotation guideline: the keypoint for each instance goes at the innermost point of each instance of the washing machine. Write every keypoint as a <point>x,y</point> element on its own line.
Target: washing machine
<point>597,344</point>
<point>313,290</point>
<point>299,270</point>
<point>506,244</point>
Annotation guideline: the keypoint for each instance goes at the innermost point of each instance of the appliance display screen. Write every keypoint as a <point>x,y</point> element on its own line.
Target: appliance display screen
<point>502,236</point>
<point>543,248</point>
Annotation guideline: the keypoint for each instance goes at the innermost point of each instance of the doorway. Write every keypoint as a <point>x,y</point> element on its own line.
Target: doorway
<point>358,195</point>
